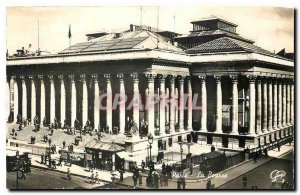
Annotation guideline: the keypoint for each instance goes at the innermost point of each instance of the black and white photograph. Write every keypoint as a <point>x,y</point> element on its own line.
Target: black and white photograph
<point>150,98</point>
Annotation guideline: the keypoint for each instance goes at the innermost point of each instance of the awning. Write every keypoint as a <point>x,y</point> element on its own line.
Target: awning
<point>104,146</point>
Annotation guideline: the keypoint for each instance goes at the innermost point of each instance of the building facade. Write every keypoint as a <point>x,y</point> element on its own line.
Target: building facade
<point>221,89</point>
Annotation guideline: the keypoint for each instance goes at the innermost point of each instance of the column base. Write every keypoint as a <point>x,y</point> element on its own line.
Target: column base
<point>202,139</point>
<point>233,143</point>
<point>217,141</point>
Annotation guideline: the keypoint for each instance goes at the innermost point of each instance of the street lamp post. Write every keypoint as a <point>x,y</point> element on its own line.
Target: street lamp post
<point>150,141</point>
<point>181,151</point>
<point>17,168</point>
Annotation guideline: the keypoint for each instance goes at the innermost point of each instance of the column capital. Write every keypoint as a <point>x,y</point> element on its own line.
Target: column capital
<point>202,78</point>
<point>120,76</point>
<point>50,77</point>
<point>218,78</point>
<point>61,77</point>
<point>161,77</point>
<point>171,78</point>
<point>135,77</point>
<point>150,77</point>
<point>13,77</point>
<point>258,81</point>
<point>95,77</point>
<point>234,78</point>
<point>31,77</point>
<point>251,78</point>
<point>188,78</point>
<point>22,77</point>
<point>275,82</point>
<point>82,77</point>
<point>41,77</point>
<point>180,78</point>
<point>71,76</point>
<point>107,77</point>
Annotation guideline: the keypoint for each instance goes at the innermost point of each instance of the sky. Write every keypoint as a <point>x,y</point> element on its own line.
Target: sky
<point>271,28</point>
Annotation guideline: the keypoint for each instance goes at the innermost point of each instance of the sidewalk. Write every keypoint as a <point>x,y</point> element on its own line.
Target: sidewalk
<point>232,173</point>
<point>77,170</point>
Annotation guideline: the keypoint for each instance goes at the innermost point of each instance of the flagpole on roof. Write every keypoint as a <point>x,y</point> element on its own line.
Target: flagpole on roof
<point>70,35</point>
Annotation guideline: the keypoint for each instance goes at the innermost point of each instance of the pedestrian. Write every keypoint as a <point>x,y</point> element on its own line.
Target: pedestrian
<point>244,180</point>
<point>278,146</point>
<point>191,169</point>
<point>143,165</point>
<point>23,176</point>
<point>183,183</point>
<point>166,179</point>
<point>64,144</point>
<point>163,168</point>
<point>97,180</point>
<point>208,184</point>
<point>53,164</point>
<point>92,181</point>
<point>256,187</point>
<point>69,174</point>
<point>178,184</point>
<point>134,177</point>
<point>42,158</point>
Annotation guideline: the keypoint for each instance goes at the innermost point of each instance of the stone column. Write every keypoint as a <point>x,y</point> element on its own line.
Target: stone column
<point>259,107</point>
<point>85,105</point>
<point>122,102</point>
<point>73,100</point>
<point>96,102</point>
<point>203,104</point>
<point>265,103</point>
<point>288,103</point>
<point>270,106</point>
<point>219,105</point>
<point>283,104</point>
<point>43,99</point>
<point>136,101</point>
<point>108,102</point>
<point>167,108</point>
<point>162,105</point>
<point>235,100</point>
<point>7,100</point>
<point>279,104</point>
<point>252,104</point>
<point>172,103</point>
<point>16,99</point>
<point>150,103</point>
<point>181,103</point>
<point>176,105</point>
<point>33,98</point>
<point>292,104</point>
<point>189,105</point>
<point>62,100</point>
<point>24,98</point>
<point>275,104</point>
<point>52,99</point>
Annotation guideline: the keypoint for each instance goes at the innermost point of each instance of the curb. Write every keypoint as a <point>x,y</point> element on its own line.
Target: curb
<point>56,170</point>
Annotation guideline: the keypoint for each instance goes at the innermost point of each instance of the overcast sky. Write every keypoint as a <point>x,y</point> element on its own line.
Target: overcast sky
<point>270,28</point>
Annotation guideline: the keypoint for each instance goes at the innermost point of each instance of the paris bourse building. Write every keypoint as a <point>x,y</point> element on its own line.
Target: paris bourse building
<point>245,93</point>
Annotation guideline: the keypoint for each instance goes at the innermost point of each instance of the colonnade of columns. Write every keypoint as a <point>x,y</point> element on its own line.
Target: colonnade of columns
<point>166,111</point>
<point>271,101</point>
<point>270,109</point>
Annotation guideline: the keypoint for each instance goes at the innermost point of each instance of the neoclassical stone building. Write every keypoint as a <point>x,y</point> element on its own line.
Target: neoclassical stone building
<point>242,95</point>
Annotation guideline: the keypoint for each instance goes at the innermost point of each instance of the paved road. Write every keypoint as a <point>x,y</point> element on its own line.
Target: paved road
<point>45,179</point>
<point>260,176</point>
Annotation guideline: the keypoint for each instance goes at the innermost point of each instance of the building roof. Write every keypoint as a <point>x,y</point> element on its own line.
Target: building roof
<point>104,146</point>
<point>212,19</point>
<point>226,44</point>
<point>124,40</point>
<point>215,33</point>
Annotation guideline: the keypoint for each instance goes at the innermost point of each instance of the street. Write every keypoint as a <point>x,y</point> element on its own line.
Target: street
<point>48,179</point>
<point>260,176</point>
